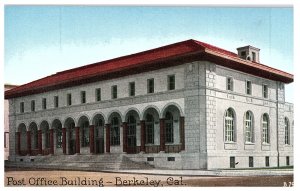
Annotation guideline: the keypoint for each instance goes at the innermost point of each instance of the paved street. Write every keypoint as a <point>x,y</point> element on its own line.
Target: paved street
<point>15,177</point>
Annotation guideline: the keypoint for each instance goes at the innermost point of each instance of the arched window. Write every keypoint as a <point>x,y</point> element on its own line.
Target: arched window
<point>149,129</point>
<point>229,126</point>
<point>169,128</point>
<point>266,129</point>
<point>286,131</point>
<point>249,127</point>
<point>115,131</point>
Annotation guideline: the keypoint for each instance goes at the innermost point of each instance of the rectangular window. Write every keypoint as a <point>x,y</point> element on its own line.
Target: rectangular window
<point>229,85</point>
<point>114,92</point>
<point>253,56</point>
<point>150,158</point>
<point>69,99</point>
<point>265,91</point>
<point>22,107</point>
<point>132,89</point>
<point>32,105</point>
<point>251,162</point>
<point>44,103</point>
<point>98,94</point>
<point>150,85</point>
<point>56,101</point>
<point>267,161</point>
<point>83,97</point>
<point>248,87</point>
<point>171,158</point>
<point>232,162</point>
<point>287,161</point>
<point>171,82</point>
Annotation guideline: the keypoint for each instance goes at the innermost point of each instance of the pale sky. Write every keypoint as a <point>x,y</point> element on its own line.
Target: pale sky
<point>43,40</point>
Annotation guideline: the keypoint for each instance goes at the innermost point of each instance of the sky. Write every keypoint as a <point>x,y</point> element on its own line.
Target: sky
<point>43,40</point>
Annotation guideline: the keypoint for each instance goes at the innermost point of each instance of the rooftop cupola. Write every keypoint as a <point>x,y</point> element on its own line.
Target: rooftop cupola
<point>249,53</point>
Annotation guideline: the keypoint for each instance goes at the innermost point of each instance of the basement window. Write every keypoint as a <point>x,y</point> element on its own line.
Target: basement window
<point>150,158</point>
<point>171,158</point>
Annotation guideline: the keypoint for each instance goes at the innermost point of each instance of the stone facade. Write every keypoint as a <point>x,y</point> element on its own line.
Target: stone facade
<point>198,105</point>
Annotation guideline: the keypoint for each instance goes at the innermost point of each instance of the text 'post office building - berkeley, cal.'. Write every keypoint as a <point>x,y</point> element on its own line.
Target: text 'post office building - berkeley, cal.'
<point>188,105</point>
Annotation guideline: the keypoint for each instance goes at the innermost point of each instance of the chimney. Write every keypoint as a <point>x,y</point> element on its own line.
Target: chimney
<point>249,53</point>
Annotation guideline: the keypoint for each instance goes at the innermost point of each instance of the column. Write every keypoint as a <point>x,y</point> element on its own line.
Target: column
<point>162,135</point>
<point>28,142</point>
<point>143,135</point>
<point>182,135</point>
<point>18,149</point>
<point>51,142</point>
<point>77,139</point>
<point>40,149</point>
<point>64,140</point>
<point>92,138</point>
<point>107,126</point>
<point>125,140</point>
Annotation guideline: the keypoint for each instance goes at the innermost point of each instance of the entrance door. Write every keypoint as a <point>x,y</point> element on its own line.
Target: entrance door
<point>99,140</point>
<point>232,162</point>
<point>131,138</point>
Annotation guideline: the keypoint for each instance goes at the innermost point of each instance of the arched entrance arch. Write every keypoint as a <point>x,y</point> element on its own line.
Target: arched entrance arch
<point>173,128</point>
<point>34,139</point>
<point>58,131</point>
<point>21,140</point>
<point>71,135</point>
<point>98,122</point>
<point>84,124</point>
<point>131,132</point>
<point>47,138</point>
<point>150,131</point>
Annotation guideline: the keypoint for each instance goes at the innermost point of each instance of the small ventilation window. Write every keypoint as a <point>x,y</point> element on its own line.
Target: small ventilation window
<point>31,160</point>
<point>150,158</point>
<point>21,160</point>
<point>171,158</point>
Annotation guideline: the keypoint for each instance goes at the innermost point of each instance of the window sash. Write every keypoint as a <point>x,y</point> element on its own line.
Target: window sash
<point>55,101</point>
<point>286,133</point>
<point>83,97</point>
<point>32,105</point>
<point>265,132</point>
<point>248,87</point>
<point>69,99</point>
<point>229,133</point>
<point>171,82</point>
<point>22,107</point>
<point>131,89</point>
<point>150,85</point>
<point>44,103</point>
<point>230,84</point>
<point>98,94</point>
<point>265,91</point>
<point>114,92</point>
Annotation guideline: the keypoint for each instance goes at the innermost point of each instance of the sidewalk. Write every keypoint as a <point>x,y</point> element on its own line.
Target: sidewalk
<point>259,172</point>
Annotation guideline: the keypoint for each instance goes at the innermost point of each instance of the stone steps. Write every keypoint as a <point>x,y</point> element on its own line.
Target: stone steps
<point>82,162</point>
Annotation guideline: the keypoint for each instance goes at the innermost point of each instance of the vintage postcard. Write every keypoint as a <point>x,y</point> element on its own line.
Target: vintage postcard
<point>155,96</point>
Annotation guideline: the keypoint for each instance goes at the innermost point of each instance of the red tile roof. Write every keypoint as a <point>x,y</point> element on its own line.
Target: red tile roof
<point>148,58</point>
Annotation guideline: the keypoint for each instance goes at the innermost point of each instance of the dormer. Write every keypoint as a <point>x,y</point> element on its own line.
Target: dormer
<point>249,53</point>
